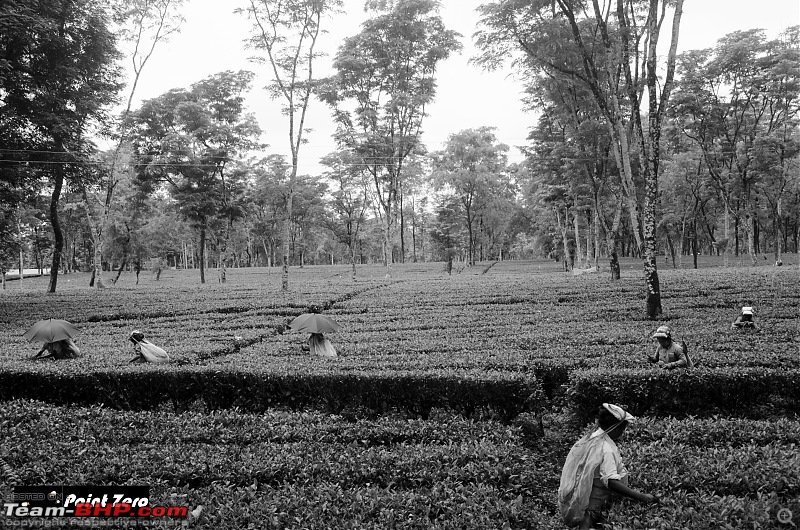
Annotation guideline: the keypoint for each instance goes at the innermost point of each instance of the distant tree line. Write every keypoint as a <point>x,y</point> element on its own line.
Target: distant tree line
<point>634,149</point>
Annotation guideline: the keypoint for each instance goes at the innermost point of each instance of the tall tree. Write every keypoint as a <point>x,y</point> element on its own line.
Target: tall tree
<point>60,77</point>
<point>617,50</point>
<point>570,147</point>
<point>471,166</point>
<point>349,199</point>
<point>269,196</point>
<point>386,76</point>
<point>287,31</point>
<point>738,103</point>
<point>189,138</point>
<point>143,24</point>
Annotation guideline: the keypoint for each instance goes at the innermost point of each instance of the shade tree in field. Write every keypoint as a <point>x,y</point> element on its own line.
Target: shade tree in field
<point>385,77</point>
<point>307,218</point>
<point>570,148</point>
<point>448,233</point>
<point>738,104</point>
<point>59,72</point>
<point>268,199</point>
<point>778,165</point>
<point>188,139</point>
<point>616,47</point>
<point>682,193</point>
<point>285,34</point>
<point>419,220</point>
<point>349,196</point>
<point>9,244</point>
<point>472,168</point>
<point>140,26</point>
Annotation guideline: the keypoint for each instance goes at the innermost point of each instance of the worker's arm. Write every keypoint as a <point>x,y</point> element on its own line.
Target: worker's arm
<point>653,358</point>
<point>619,487</point>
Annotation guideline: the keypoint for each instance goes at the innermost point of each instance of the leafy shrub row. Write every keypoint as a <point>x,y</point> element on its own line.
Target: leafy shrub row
<point>318,385</point>
<point>310,470</point>
<point>149,388</point>
<point>726,482</point>
<point>740,391</point>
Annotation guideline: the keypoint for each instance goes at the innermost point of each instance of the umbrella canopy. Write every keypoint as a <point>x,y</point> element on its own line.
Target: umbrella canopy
<point>313,323</point>
<point>50,330</point>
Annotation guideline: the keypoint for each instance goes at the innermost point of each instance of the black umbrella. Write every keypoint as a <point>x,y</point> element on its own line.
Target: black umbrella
<point>313,323</point>
<point>50,330</point>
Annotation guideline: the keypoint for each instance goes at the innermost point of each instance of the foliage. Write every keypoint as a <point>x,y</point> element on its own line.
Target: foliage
<point>386,75</point>
<point>472,169</point>
<point>737,391</point>
<point>190,138</point>
<point>57,87</point>
<point>295,469</point>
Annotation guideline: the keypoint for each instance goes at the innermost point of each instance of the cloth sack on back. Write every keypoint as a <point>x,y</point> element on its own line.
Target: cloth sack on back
<point>152,353</point>
<point>576,478</point>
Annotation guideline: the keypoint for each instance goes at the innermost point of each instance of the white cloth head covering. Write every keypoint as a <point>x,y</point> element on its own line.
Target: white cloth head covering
<point>663,332</point>
<point>618,412</point>
<point>747,310</point>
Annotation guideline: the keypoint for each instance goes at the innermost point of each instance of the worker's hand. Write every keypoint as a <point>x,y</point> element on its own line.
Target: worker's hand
<point>649,499</point>
<point>661,364</point>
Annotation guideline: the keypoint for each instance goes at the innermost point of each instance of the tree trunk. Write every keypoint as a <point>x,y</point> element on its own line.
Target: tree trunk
<point>125,251</point>
<point>402,223</point>
<point>58,236</point>
<point>578,252</point>
<point>568,263</point>
<point>21,253</point>
<point>285,270</point>
<point>596,238</point>
<point>725,261</point>
<point>414,242</point>
<point>612,244</point>
<point>387,249</point>
<point>682,240</point>
<point>656,111</point>
<point>671,249</point>
<point>779,232</point>
<point>751,248</point>
<point>471,236</point>
<point>622,156</point>
<point>203,254</point>
<point>95,229</point>
<point>650,266</point>
<point>353,260</point>
<point>589,239</point>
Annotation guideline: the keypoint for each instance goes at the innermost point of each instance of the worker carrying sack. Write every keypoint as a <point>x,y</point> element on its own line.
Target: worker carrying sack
<point>577,476</point>
<point>147,351</point>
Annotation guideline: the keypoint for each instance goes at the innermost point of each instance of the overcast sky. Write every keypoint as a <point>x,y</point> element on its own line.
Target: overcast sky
<point>210,41</point>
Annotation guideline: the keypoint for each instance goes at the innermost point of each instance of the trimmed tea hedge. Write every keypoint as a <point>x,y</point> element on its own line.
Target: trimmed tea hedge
<point>741,391</point>
<point>149,388</point>
<point>295,470</point>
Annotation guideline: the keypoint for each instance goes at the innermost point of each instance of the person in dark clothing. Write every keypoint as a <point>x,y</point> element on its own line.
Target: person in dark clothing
<point>669,354</point>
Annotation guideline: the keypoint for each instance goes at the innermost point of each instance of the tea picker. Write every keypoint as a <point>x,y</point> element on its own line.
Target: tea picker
<point>668,353</point>
<point>593,472</point>
<point>57,338</point>
<point>316,325</point>
<point>745,320</point>
<point>146,351</point>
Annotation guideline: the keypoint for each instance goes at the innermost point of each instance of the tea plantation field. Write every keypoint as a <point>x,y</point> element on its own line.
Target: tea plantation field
<point>452,404</point>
